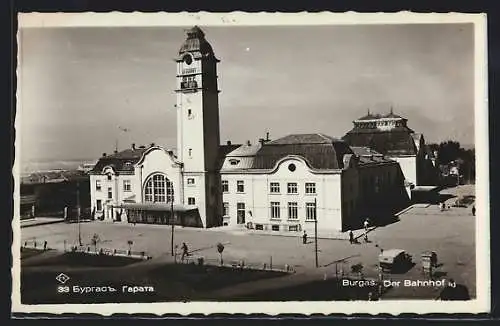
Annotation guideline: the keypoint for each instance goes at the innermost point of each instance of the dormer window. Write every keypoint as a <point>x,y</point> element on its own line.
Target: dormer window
<point>110,177</point>
<point>234,161</point>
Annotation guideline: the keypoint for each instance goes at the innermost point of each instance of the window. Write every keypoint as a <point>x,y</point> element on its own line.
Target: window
<point>292,211</point>
<point>225,209</point>
<point>292,167</point>
<point>190,152</point>
<point>310,211</point>
<point>109,177</point>
<point>234,161</point>
<point>99,205</point>
<point>98,185</point>
<point>190,181</point>
<point>225,186</point>
<point>275,209</point>
<point>159,189</point>
<point>240,186</point>
<point>292,188</point>
<point>275,187</point>
<point>189,112</point>
<point>110,193</point>
<point>240,211</point>
<point>191,201</point>
<point>310,188</point>
<point>127,186</point>
<point>275,227</point>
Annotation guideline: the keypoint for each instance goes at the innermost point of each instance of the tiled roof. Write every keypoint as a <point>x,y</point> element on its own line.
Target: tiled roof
<point>321,151</point>
<point>398,141</point>
<point>119,160</point>
<point>196,43</point>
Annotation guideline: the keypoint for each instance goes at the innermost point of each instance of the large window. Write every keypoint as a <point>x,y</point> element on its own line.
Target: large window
<point>225,186</point>
<point>240,186</point>
<point>240,211</point>
<point>310,188</point>
<point>127,186</point>
<point>98,186</point>
<point>191,200</point>
<point>275,209</point>
<point>310,211</point>
<point>225,209</point>
<point>292,211</point>
<point>110,193</point>
<point>275,187</point>
<point>99,205</point>
<point>159,189</point>
<point>292,187</point>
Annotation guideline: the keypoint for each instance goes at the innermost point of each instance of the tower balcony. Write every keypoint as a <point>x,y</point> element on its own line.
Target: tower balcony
<point>189,85</point>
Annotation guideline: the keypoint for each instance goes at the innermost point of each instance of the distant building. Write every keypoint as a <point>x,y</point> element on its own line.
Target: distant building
<point>284,184</point>
<point>390,135</point>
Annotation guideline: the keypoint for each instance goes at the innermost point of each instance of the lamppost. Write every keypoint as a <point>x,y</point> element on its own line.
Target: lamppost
<point>173,222</point>
<point>316,231</point>
<point>78,212</point>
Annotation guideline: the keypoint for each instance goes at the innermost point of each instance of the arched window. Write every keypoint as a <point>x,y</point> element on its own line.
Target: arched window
<point>159,189</point>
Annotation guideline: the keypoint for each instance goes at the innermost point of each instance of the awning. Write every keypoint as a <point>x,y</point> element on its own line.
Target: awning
<point>157,207</point>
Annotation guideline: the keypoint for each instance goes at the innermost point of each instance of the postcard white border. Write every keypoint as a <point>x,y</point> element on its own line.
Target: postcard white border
<point>483,279</point>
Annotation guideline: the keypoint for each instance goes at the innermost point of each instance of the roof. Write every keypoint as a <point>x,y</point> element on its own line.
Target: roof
<point>122,161</point>
<point>391,252</point>
<point>320,151</point>
<point>398,141</point>
<point>157,207</point>
<point>390,115</point>
<point>196,43</point>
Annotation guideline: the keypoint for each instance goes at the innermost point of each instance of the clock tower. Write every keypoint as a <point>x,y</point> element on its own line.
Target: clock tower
<point>198,136</point>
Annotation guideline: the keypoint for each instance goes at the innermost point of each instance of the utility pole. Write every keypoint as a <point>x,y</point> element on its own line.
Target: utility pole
<point>316,230</point>
<point>172,222</point>
<point>78,211</point>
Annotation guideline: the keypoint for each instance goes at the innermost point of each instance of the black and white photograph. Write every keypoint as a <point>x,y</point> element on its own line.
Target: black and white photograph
<point>294,163</point>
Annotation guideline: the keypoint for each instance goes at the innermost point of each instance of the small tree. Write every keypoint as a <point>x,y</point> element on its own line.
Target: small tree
<point>95,240</point>
<point>220,249</point>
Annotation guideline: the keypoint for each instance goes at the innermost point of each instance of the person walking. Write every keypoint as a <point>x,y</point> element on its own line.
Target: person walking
<point>304,237</point>
<point>366,224</point>
<point>185,251</point>
<point>351,237</point>
<point>473,210</point>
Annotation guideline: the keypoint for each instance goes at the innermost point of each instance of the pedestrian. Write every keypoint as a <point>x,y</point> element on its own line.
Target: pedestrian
<point>473,210</point>
<point>351,237</point>
<point>366,224</point>
<point>45,245</point>
<point>366,238</point>
<point>185,252</point>
<point>304,237</point>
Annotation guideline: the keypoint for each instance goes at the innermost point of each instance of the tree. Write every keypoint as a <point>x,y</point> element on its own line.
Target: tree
<point>220,249</point>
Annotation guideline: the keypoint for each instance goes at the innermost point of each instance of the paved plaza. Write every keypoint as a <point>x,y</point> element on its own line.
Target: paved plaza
<point>450,233</point>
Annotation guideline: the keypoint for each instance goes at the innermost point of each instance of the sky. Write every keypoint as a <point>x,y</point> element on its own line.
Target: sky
<point>78,86</point>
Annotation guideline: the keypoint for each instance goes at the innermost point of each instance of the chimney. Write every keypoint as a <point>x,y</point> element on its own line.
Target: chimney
<point>249,143</point>
<point>229,142</point>
<point>115,151</point>
<point>103,154</point>
<point>152,144</point>
<point>133,146</point>
<point>267,136</point>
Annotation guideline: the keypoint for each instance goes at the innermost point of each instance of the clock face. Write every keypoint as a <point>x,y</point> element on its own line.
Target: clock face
<point>187,59</point>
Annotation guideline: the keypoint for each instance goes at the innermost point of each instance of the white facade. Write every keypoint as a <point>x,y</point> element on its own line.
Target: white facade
<point>324,190</point>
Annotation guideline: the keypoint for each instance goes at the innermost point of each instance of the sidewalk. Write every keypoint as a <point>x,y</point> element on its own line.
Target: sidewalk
<point>41,221</point>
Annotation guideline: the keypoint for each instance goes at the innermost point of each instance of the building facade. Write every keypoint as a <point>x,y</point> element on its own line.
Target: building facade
<point>390,135</point>
<point>284,184</point>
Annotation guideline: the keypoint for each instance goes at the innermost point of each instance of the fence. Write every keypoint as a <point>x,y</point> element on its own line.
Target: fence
<point>237,264</point>
<point>93,250</point>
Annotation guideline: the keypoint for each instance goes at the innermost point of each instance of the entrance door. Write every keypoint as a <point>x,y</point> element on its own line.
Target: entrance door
<point>240,213</point>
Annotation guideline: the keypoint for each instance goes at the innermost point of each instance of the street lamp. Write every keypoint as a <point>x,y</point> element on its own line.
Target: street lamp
<point>78,212</point>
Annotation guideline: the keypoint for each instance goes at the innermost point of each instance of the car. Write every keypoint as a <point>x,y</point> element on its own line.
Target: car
<point>393,260</point>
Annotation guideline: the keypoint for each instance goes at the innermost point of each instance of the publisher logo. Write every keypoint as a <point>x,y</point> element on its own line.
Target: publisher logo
<point>62,278</point>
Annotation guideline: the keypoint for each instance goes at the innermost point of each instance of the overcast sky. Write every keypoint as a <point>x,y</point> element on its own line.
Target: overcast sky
<point>78,85</point>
